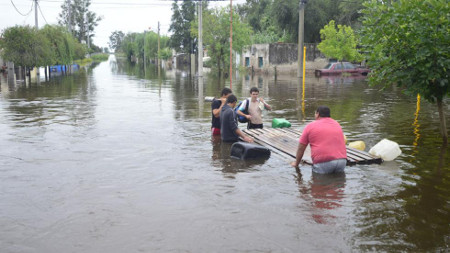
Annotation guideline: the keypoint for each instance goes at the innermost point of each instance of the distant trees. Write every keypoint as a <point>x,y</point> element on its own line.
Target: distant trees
<point>27,46</point>
<point>82,20</point>
<point>216,34</point>
<point>134,45</point>
<point>409,45</point>
<point>115,40</point>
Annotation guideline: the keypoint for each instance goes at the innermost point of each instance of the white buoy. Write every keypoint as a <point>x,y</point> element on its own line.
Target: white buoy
<point>386,149</point>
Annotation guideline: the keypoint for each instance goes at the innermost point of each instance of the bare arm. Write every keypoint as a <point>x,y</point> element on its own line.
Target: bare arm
<point>216,112</point>
<point>298,158</point>
<point>243,136</point>
<point>266,105</point>
<point>244,115</point>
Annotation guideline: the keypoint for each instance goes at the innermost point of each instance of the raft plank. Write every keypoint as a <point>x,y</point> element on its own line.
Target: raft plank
<point>284,142</point>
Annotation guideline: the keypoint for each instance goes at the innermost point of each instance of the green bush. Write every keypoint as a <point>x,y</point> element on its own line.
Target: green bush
<point>100,57</point>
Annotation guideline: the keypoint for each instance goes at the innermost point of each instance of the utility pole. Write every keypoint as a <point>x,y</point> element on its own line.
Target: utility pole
<point>69,24</point>
<point>87,33</point>
<point>231,43</point>
<point>159,67</point>
<point>37,28</point>
<point>200,39</point>
<point>36,14</point>
<point>301,26</point>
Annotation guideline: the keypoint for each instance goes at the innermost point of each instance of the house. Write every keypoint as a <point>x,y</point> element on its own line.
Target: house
<point>279,57</point>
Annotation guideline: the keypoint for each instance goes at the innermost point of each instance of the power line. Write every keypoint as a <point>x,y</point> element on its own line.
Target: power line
<point>42,14</point>
<point>31,9</point>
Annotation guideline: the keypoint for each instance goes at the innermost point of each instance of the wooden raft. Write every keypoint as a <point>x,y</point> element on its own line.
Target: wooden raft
<point>284,142</point>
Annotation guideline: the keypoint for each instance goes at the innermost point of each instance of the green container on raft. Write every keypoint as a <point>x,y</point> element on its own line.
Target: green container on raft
<point>280,123</point>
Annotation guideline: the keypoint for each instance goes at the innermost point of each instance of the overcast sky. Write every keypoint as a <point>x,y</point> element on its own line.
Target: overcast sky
<point>126,16</point>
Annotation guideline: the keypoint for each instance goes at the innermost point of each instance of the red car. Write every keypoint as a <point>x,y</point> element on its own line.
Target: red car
<point>337,68</point>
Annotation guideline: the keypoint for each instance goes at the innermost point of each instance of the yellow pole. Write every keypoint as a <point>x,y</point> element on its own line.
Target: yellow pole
<point>303,83</point>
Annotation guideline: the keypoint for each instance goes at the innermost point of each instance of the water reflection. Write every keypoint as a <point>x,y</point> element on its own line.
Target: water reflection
<point>130,153</point>
<point>416,126</point>
<point>325,192</point>
<point>231,166</point>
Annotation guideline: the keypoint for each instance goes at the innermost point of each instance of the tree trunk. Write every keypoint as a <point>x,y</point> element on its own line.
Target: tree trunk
<point>443,122</point>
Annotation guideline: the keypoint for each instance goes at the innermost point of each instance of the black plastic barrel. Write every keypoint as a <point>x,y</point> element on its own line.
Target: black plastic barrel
<point>244,150</point>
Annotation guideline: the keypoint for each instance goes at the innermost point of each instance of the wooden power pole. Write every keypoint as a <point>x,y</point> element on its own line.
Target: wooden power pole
<point>301,26</point>
<point>200,39</point>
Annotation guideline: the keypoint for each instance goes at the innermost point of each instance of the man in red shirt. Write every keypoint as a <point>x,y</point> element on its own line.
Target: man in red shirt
<point>325,136</point>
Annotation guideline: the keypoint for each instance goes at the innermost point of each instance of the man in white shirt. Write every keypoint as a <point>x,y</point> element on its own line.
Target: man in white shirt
<point>255,108</point>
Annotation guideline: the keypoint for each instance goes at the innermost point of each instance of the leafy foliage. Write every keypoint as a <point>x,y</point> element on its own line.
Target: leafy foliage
<point>26,46</point>
<point>339,43</point>
<point>409,45</point>
<point>133,46</point>
<point>180,26</point>
<point>115,40</point>
<point>83,21</point>
<point>216,35</point>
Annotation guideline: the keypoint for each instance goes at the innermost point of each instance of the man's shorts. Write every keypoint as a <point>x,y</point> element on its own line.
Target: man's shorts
<point>333,166</point>
<point>254,126</point>
<point>215,131</point>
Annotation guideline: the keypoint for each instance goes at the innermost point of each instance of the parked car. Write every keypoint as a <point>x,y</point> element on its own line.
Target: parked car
<point>337,68</point>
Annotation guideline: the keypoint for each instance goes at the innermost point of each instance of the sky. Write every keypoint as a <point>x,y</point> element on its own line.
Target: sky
<point>126,16</point>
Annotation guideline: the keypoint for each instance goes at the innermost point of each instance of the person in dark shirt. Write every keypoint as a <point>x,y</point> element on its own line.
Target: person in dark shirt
<point>216,107</point>
<point>228,123</point>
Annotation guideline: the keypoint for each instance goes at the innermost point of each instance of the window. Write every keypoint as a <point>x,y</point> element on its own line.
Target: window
<point>247,61</point>
<point>260,60</point>
<point>348,65</point>
<point>338,66</point>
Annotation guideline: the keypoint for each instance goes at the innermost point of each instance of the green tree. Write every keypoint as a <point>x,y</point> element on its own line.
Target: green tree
<point>62,44</point>
<point>216,34</point>
<point>180,26</point>
<point>115,40</point>
<point>409,45</point>
<point>339,43</point>
<point>281,18</point>
<point>258,14</point>
<point>129,47</point>
<point>26,47</point>
<point>83,21</point>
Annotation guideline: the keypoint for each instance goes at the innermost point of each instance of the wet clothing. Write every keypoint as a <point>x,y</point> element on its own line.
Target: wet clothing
<point>254,110</point>
<point>228,124</point>
<point>215,122</point>
<point>334,166</point>
<point>215,131</point>
<point>326,139</point>
<point>254,126</point>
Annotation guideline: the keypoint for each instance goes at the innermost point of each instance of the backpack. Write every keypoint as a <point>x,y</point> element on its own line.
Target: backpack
<point>240,118</point>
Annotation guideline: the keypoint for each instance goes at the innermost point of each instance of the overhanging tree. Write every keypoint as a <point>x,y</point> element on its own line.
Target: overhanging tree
<point>26,47</point>
<point>409,43</point>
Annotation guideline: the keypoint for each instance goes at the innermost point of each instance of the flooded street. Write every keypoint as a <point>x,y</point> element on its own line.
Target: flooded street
<point>113,159</point>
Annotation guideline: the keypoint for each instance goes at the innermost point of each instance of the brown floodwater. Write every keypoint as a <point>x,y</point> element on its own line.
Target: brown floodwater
<point>115,159</point>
